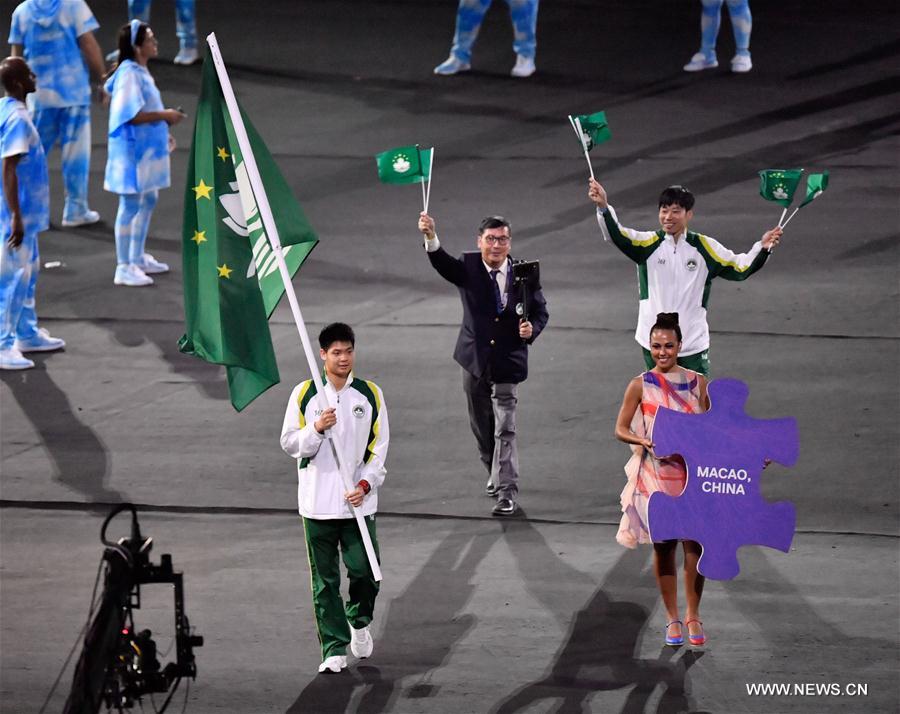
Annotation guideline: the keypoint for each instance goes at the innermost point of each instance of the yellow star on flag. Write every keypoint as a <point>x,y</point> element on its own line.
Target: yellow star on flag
<point>199,237</point>
<point>224,271</point>
<point>201,190</point>
<point>222,154</point>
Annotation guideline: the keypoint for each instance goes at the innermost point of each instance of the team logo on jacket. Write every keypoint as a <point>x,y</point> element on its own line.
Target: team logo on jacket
<point>358,411</point>
<point>691,264</point>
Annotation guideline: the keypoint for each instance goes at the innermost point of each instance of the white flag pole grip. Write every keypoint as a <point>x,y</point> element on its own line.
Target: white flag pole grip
<point>268,220</point>
<point>794,213</point>
<point>580,133</point>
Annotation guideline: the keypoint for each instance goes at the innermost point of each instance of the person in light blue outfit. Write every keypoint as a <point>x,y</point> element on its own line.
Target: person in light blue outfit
<point>137,164</point>
<point>185,27</point>
<point>24,212</point>
<point>469,16</point>
<point>741,25</point>
<point>56,39</point>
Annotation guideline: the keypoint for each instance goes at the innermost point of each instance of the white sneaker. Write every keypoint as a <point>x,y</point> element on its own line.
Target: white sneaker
<point>524,67</point>
<point>41,342</point>
<point>187,55</point>
<point>151,265</point>
<point>361,644</point>
<point>87,219</point>
<point>700,62</point>
<point>452,65</point>
<point>13,359</point>
<point>741,63</point>
<point>334,664</point>
<point>131,275</point>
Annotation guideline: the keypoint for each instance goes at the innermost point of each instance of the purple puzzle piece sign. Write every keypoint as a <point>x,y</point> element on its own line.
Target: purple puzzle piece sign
<point>721,506</point>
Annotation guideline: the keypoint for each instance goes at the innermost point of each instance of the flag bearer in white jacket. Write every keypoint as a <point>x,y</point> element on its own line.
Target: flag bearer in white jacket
<point>358,422</point>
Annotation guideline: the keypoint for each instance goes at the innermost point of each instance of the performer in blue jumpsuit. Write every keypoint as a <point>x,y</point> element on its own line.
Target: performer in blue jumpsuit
<point>56,38</point>
<point>24,212</point>
<point>185,27</point>
<point>469,16</point>
<point>741,25</point>
<point>137,164</point>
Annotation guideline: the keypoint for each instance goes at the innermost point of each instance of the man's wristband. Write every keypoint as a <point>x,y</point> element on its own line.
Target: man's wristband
<point>364,485</point>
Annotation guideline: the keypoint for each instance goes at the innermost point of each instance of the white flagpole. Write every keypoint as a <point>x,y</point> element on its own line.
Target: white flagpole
<point>794,213</point>
<point>782,217</point>
<point>265,212</point>
<point>424,197</point>
<point>583,145</point>
<point>430,164</point>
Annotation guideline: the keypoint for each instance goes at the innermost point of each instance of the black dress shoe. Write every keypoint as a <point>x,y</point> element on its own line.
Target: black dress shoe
<point>491,489</point>
<point>505,507</point>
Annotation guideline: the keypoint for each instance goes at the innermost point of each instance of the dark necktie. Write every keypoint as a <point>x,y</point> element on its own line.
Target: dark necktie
<point>497,291</point>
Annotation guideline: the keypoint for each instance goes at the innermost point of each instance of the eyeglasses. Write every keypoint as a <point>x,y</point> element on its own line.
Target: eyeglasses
<point>496,240</point>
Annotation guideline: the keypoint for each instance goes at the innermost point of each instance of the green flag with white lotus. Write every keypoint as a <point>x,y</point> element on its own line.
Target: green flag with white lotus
<point>594,129</point>
<point>231,281</point>
<point>779,185</point>
<point>815,187</point>
<point>405,164</point>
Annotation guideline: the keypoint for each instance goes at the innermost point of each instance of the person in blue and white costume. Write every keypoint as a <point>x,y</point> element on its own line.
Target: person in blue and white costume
<point>741,25</point>
<point>137,165</point>
<point>185,27</point>
<point>469,16</point>
<point>56,39</point>
<point>24,212</point>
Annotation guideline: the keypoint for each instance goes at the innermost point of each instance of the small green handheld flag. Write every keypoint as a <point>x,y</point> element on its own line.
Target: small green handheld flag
<point>778,185</point>
<point>594,129</point>
<point>815,187</point>
<point>405,164</point>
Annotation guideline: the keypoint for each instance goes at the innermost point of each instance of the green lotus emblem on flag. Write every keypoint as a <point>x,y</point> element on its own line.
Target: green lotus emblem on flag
<point>231,282</point>
<point>815,187</point>
<point>779,185</point>
<point>594,129</point>
<point>405,164</point>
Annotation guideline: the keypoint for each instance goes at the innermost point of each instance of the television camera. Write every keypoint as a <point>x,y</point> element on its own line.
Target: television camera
<point>118,664</point>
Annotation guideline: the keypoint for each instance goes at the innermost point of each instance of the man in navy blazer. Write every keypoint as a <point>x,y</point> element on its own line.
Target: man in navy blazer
<point>492,346</point>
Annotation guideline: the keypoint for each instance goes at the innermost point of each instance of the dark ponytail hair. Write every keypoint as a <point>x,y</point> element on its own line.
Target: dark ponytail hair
<point>667,321</point>
<point>126,48</point>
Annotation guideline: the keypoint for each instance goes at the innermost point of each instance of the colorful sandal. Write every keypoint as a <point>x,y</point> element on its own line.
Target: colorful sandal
<point>696,640</point>
<point>674,641</point>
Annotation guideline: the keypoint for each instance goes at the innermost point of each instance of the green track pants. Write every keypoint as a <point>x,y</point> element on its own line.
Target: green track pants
<point>323,540</point>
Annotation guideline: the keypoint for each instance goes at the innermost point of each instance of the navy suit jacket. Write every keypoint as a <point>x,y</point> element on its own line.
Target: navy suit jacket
<point>488,342</point>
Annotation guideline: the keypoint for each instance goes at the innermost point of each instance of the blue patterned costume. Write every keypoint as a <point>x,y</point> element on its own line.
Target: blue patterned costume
<point>741,25</point>
<point>138,161</point>
<point>470,15</point>
<point>185,19</point>
<point>19,266</point>
<point>48,31</point>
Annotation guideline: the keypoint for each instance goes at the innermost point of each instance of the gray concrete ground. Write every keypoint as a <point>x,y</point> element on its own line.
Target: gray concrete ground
<point>540,614</point>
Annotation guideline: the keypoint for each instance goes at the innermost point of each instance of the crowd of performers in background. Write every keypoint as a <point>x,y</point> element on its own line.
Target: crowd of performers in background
<point>676,267</point>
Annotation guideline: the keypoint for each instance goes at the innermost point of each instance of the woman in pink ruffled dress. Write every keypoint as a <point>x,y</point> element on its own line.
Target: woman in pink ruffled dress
<point>673,387</point>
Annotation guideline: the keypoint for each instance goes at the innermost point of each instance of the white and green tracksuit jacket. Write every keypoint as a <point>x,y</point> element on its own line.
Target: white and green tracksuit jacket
<point>361,435</point>
<point>676,277</point>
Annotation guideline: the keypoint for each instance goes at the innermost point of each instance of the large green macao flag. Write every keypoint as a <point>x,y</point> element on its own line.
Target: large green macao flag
<point>594,129</point>
<point>778,185</point>
<point>231,280</point>
<point>405,164</point>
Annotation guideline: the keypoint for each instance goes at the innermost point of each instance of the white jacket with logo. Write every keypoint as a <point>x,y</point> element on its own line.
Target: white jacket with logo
<point>676,277</point>
<point>361,436</point>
